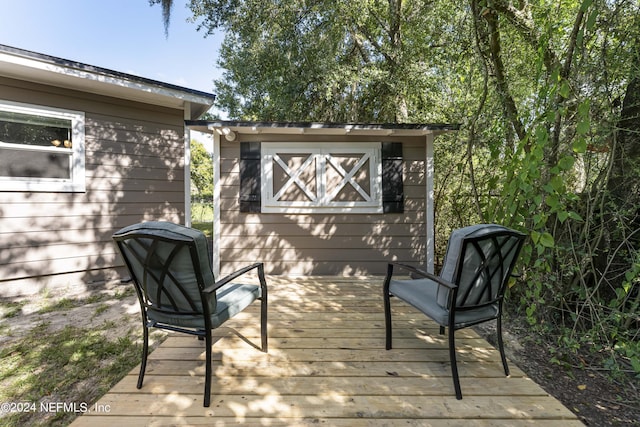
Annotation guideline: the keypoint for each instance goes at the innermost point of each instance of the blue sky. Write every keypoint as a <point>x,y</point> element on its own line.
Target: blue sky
<point>121,35</point>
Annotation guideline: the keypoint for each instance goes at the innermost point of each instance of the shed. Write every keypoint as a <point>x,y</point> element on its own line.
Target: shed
<point>322,198</point>
<point>84,151</point>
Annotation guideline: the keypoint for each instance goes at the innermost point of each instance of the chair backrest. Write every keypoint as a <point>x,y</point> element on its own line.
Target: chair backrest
<point>170,267</point>
<point>479,260</point>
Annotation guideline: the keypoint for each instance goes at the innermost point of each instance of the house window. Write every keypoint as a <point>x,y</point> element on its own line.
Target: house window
<point>326,178</point>
<point>41,149</point>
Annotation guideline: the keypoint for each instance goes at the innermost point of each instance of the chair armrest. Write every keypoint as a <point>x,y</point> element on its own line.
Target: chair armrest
<point>422,273</point>
<point>220,283</point>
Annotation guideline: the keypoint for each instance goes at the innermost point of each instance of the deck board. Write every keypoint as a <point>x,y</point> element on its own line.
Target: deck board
<point>327,366</point>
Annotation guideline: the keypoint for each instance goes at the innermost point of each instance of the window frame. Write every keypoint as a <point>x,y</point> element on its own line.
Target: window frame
<point>76,180</point>
<point>322,156</point>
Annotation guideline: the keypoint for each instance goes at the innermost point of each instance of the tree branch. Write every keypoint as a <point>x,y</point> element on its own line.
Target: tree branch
<point>511,110</point>
<point>523,22</point>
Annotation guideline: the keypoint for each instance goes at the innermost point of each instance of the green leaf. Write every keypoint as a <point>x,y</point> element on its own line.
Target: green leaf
<point>566,163</point>
<point>530,310</point>
<point>574,216</point>
<point>546,240</point>
<point>583,127</point>
<point>557,183</point>
<point>552,201</point>
<point>565,90</point>
<point>591,20</point>
<point>580,145</point>
<point>535,236</point>
<point>585,5</point>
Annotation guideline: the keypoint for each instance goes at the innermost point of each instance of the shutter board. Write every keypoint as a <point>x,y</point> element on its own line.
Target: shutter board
<point>249,197</point>
<point>392,180</point>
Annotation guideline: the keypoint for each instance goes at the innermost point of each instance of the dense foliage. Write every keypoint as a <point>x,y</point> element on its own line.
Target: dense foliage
<point>548,97</point>
<point>201,171</point>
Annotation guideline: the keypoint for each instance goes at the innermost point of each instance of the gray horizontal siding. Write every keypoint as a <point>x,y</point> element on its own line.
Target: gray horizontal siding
<point>134,171</point>
<point>323,244</point>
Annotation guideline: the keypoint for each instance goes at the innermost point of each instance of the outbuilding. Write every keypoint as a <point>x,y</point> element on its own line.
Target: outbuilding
<point>322,198</point>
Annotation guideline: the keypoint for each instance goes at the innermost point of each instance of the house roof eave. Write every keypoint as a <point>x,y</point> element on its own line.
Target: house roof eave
<point>322,128</point>
<point>40,68</point>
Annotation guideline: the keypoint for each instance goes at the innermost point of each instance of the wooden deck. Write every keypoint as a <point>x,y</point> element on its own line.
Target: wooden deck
<point>327,366</point>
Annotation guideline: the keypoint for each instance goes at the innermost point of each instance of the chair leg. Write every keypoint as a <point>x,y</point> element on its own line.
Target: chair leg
<point>207,379</point>
<point>442,330</point>
<point>501,346</point>
<point>387,313</point>
<point>145,353</point>
<point>263,309</point>
<point>454,363</point>
<point>263,323</point>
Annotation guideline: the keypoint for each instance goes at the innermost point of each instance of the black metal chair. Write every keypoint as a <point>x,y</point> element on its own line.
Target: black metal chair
<point>171,271</point>
<point>469,290</point>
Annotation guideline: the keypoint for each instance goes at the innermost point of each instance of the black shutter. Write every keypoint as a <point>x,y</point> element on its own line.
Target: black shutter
<point>250,177</point>
<point>392,182</point>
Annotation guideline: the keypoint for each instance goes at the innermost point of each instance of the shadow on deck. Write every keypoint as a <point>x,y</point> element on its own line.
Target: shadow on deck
<point>327,366</point>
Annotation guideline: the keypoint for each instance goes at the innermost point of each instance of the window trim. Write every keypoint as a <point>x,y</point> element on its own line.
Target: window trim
<point>322,154</point>
<point>76,181</point>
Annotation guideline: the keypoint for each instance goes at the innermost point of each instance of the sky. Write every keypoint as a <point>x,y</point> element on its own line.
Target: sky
<point>121,35</point>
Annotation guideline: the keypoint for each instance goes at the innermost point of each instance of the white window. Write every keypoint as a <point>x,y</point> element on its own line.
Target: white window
<point>321,178</point>
<point>41,148</point>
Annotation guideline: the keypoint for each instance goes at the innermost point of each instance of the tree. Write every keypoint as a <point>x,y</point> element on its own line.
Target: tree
<point>166,5</point>
<point>547,96</point>
<point>331,60</point>
<point>201,170</point>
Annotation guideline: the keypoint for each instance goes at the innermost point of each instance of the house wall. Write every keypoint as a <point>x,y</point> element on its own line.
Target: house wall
<point>322,244</point>
<point>134,171</point>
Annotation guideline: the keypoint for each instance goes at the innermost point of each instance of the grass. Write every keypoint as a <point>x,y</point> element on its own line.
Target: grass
<point>9,309</point>
<point>75,364</point>
<point>202,217</point>
<point>51,367</point>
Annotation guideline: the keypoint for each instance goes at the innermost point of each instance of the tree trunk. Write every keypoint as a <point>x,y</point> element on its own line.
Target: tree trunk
<point>624,181</point>
<point>621,218</point>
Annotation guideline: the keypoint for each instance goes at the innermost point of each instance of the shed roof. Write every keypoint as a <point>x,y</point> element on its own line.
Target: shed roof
<point>321,128</point>
<point>40,68</point>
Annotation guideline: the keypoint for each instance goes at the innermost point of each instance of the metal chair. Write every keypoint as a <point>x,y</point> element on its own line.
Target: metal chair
<point>170,268</point>
<point>469,290</point>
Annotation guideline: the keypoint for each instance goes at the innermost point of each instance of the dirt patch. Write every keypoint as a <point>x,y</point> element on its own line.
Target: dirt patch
<point>114,302</point>
<point>588,392</point>
<point>66,348</point>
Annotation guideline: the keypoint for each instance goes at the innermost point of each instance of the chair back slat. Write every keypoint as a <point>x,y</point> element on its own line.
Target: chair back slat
<point>479,261</point>
<point>167,266</point>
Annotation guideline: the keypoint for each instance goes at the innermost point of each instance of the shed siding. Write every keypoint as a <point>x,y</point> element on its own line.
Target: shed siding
<point>322,244</point>
<point>134,171</point>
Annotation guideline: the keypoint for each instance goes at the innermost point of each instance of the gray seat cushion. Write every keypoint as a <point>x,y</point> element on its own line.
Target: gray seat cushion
<point>422,294</point>
<point>232,299</point>
<point>454,246</point>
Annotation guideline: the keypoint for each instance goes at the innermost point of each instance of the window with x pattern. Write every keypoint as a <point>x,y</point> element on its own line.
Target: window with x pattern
<point>329,177</point>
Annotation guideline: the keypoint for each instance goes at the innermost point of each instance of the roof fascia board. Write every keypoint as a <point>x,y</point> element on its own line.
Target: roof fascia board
<point>20,64</point>
<point>301,128</point>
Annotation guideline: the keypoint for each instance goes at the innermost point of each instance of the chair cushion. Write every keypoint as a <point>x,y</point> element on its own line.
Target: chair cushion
<point>178,232</point>
<point>454,246</point>
<point>423,294</point>
<point>232,299</point>
<point>182,264</point>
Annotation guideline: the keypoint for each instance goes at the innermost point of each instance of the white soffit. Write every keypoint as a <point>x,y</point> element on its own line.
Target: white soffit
<point>266,128</point>
<point>100,81</point>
